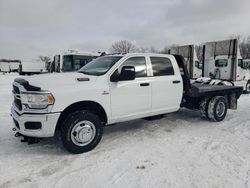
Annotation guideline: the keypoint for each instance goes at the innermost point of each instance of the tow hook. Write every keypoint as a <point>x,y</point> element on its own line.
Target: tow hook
<point>29,140</point>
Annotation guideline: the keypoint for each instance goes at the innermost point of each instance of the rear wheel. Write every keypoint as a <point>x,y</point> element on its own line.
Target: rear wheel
<point>247,87</point>
<point>217,108</point>
<point>204,108</point>
<point>81,132</point>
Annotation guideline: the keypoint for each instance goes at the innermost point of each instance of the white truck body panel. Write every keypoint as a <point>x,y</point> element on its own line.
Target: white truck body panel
<point>4,67</point>
<point>33,66</point>
<point>121,101</point>
<point>14,66</point>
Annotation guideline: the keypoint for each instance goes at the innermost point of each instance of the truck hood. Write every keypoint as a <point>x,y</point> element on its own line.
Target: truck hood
<point>53,81</point>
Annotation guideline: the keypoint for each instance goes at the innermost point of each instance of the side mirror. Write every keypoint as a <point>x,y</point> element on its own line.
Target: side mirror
<point>127,73</point>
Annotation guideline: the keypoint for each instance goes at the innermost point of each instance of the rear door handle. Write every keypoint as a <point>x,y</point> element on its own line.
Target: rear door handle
<point>176,81</point>
<point>144,84</point>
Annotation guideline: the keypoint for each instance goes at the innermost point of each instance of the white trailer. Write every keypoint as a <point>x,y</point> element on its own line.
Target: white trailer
<point>222,60</point>
<point>194,66</point>
<point>72,60</point>
<point>7,65</point>
<point>4,67</point>
<point>32,67</point>
<point>14,65</point>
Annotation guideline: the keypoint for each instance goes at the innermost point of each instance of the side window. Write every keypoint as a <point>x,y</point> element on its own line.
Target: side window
<point>198,64</point>
<point>140,66</point>
<point>77,65</point>
<point>221,63</point>
<point>240,63</point>
<point>161,66</point>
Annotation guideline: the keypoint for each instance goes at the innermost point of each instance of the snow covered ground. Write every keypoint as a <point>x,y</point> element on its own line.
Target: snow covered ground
<point>181,150</point>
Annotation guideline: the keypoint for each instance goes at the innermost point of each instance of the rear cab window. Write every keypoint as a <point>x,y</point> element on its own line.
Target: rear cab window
<point>162,66</point>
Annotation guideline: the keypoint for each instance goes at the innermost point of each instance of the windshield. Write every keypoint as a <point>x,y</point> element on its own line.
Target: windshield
<point>100,65</point>
<point>75,62</point>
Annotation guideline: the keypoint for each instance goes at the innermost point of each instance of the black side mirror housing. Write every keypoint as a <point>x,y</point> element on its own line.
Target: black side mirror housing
<point>127,73</point>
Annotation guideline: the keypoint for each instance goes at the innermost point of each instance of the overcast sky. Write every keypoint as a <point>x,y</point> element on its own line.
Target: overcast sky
<point>29,28</point>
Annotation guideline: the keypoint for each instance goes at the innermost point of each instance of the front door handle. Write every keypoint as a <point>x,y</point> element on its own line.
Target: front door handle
<point>176,81</point>
<point>144,84</point>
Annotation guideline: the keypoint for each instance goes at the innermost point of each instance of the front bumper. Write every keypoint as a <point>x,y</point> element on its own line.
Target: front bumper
<point>48,123</point>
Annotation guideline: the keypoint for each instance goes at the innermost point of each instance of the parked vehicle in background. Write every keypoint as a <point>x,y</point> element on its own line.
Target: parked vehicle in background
<point>222,60</point>
<point>72,60</point>
<point>4,67</point>
<point>7,65</point>
<point>34,66</point>
<point>194,66</point>
<point>108,90</point>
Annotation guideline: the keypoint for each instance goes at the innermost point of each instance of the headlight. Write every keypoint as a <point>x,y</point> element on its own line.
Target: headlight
<point>37,100</point>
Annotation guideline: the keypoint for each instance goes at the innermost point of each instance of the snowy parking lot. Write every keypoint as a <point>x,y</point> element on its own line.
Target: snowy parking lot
<point>180,150</point>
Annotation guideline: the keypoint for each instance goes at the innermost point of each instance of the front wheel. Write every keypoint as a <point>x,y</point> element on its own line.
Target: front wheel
<point>217,108</point>
<point>81,132</point>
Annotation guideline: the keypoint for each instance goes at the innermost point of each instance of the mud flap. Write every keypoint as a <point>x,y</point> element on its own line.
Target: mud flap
<point>232,101</point>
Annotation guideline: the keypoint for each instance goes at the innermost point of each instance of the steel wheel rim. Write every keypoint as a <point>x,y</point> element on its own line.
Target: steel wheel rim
<point>248,87</point>
<point>220,109</point>
<point>83,133</point>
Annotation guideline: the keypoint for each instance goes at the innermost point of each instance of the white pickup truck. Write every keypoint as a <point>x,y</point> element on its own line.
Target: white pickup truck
<point>108,90</point>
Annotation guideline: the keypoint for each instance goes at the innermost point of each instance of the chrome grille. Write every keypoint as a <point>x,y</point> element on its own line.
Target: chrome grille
<point>16,89</point>
<point>17,100</point>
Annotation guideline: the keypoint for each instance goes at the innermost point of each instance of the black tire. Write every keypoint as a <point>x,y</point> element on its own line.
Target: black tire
<point>71,122</point>
<point>204,108</point>
<point>247,91</point>
<point>217,108</point>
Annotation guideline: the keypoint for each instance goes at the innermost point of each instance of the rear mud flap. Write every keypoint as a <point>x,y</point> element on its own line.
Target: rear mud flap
<point>232,101</point>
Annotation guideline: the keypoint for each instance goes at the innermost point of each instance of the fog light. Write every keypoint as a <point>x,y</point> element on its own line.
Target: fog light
<point>33,125</point>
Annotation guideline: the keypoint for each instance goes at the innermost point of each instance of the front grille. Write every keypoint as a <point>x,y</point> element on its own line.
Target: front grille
<point>18,103</point>
<point>17,100</point>
<point>16,89</point>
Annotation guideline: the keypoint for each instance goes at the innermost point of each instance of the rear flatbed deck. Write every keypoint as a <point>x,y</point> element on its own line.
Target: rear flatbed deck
<point>201,90</point>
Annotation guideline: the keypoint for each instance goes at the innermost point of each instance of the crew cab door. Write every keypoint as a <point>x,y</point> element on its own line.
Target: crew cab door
<point>167,86</point>
<point>132,99</point>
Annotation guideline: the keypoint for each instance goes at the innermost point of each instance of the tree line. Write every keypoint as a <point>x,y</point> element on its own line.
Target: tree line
<point>125,46</point>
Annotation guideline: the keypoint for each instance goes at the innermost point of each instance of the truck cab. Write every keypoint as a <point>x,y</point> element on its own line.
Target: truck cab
<point>72,60</point>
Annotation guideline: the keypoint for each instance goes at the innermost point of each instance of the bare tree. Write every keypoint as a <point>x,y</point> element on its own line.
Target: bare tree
<point>245,48</point>
<point>147,50</point>
<point>199,52</point>
<point>123,46</point>
<point>165,50</point>
<point>45,59</point>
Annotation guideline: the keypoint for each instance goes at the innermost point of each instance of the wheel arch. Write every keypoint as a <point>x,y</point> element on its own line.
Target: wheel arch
<point>83,105</point>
